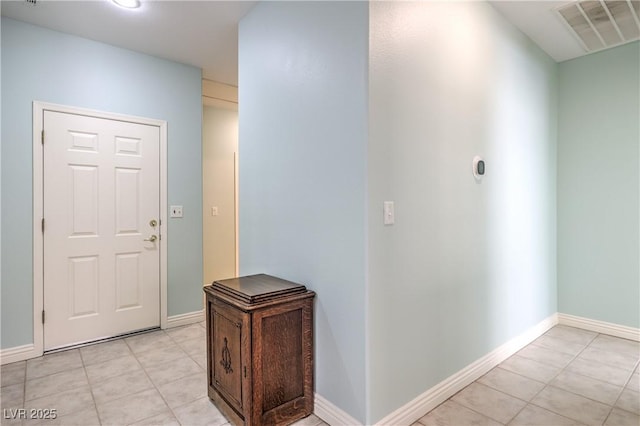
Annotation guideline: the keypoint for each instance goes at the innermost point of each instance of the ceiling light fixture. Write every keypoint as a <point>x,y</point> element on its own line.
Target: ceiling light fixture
<point>129,4</point>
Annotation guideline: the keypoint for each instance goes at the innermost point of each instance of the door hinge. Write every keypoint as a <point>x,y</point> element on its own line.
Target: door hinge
<point>42,225</point>
<point>42,137</point>
<point>43,316</point>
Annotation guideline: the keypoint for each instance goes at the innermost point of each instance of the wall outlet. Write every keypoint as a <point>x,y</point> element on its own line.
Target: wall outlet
<point>175,211</point>
<point>214,211</point>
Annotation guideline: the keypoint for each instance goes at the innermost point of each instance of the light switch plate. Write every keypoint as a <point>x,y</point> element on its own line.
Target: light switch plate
<point>389,214</point>
<point>175,211</point>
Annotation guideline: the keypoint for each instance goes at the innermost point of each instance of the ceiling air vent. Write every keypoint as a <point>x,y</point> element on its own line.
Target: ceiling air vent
<point>599,24</point>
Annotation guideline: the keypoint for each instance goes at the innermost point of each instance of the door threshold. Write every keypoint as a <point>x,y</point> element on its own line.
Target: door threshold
<point>98,341</point>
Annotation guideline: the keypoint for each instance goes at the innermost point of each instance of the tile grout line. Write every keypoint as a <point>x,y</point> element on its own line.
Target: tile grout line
<point>24,388</point>
<point>485,415</point>
<point>206,379</point>
<point>155,387</point>
<point>626,382</point>
<point>622,391</point>
<point>556,376</point>
<point>561,370</point>
<point>611,407</point>
<point>59,416</point>
<point>91,384</point>
<point>546,385</point>
<point>512,396</point>
<point>163,398</point>
<point>228,422</point>
<point>46,375</point>
<point>93,397</point>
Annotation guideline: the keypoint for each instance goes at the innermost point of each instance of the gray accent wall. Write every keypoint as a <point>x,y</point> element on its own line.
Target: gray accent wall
<point>43,65</point>
<point>599,186</point>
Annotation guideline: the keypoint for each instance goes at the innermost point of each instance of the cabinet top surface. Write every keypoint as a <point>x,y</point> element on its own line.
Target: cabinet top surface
<point>255,288</point>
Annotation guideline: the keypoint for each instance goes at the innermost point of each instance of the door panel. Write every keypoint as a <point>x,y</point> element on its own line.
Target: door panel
<point>83,280</point>
<point>101,190</point>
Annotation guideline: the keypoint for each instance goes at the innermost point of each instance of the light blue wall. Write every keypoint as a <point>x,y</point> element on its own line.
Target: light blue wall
<point>43,65</point>
<point>467,266</point>
<point>598,186</point>
<point>0,169</point>
<point>302,157</point>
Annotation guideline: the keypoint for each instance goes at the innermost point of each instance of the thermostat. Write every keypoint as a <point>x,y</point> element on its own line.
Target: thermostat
<point>478,167</point>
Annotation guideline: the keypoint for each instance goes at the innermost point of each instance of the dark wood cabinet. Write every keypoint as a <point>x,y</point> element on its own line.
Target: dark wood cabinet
<point>260,349</point>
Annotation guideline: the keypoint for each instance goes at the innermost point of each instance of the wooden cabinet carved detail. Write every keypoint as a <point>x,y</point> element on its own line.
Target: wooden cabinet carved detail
<point>260,349</point>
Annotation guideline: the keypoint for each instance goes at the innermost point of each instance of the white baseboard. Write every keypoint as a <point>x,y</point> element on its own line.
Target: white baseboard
<point>18,353</point>
<point>331,414</point>
<point>185,319</point>
<point>603,327</point>
<point>415,409</point>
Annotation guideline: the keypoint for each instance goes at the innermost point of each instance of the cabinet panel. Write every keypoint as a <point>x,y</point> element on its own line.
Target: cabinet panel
<point>282,349</point>
<point>282,358</point>
<point>227,353</point>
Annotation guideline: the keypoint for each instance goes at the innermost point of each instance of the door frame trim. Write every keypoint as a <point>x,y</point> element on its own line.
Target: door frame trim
<point>38,207</point>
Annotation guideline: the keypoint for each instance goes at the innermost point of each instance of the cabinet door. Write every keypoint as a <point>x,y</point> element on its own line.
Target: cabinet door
<point>230,338</point>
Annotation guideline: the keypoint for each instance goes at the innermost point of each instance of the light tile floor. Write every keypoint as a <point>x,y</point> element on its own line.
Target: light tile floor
<point>566,377</point>
<point>157,378</point>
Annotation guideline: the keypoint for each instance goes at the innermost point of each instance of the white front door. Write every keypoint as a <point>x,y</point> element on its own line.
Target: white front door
<point>101,236</point>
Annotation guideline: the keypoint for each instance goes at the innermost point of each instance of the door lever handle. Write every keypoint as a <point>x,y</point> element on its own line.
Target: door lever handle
<point>152,238</point>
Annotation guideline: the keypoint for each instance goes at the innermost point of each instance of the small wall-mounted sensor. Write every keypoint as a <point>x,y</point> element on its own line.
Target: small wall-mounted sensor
<point>478,167</point>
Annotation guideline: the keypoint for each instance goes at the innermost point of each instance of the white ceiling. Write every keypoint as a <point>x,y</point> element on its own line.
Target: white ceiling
<point>205,33</point>
<point>538,20</point>
<point>199,33</point>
